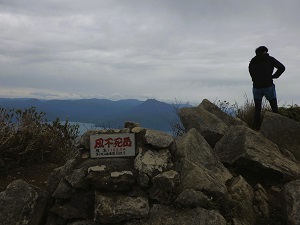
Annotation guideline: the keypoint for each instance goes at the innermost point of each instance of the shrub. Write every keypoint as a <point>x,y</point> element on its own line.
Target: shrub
<point>26,136</point>
<point>292,112</point>
<point>226,107</point>
<point>246,111</point>
<point>177,127</point>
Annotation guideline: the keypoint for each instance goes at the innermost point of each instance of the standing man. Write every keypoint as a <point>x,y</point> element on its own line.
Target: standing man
<point>261,69</point>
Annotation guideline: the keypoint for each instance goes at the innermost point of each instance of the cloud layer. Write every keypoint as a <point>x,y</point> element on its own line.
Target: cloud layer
<point>184,50</point>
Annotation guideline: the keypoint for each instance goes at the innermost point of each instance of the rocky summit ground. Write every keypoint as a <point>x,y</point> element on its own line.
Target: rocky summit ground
<point>35,174</point>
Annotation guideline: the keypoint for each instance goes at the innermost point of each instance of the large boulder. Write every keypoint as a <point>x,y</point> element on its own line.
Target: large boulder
<point>242,194</point>
<point>209,120</point>
<point>22,203</point>
<point>225,117</point>
<point>201,170</point>
<point>283,131</point>
<point>160,214</point>
<point>291,199</point>
<point>211,127</point>
<point>249,151</point>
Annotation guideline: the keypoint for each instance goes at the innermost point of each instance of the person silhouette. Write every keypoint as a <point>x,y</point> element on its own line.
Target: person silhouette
<point>261,68</point>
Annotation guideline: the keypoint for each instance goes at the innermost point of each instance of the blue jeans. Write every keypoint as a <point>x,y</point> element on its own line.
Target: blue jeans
<point>269,93</point>
<point>258,94</point>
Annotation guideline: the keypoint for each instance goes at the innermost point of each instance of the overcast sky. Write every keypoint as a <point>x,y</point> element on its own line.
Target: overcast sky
<point>183,50</point>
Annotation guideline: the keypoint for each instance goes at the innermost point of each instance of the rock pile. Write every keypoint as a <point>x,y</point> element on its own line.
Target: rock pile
<point>220,172</point>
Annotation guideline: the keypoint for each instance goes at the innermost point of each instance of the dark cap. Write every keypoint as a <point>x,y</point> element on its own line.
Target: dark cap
<point>261,50</point>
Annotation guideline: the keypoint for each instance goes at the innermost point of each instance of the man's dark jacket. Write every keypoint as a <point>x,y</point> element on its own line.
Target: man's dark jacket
<point>261,69</point>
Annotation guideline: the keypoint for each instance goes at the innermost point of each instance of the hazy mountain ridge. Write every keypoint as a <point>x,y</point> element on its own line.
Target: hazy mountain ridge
<point>151,113</point>
<point>103,112</point>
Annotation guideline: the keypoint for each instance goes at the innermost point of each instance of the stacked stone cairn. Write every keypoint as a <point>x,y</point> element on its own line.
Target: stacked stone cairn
<point>219,172</point>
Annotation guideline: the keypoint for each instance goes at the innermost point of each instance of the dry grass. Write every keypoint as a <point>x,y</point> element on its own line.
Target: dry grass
<point>26,137</point>
<point>244,112</point>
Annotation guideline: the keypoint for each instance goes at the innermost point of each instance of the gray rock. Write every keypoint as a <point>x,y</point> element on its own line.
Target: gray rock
<point>160,214</point>
<point>291,199</point>
<point>102,173</point>
<point>242,193</point>
<point>82,222</point>
<point>22,203</point>
<point>110,164</point>
<point>2,164</point>
<point>138,130</point>
<point>163,186</point>
<point>54,219</point>
<point>236,221</point>
<point>63,191</point>
<point>150,161</point>
<point>143,180</point>
<point>79,207</point>
<point>68,211</point>
<point>158,139</point>
<point>190,198</point>
<point>85,138</point>
<point>77,178</point>
<point>201,170</point>
<point>261,205</point>
<point>111,181</point>
<point>211,127</point>
<point>283,131</point>
<point>119,208</point>
<point>249,151</point>
<point>130,125</point>
<point>168,179</point>
<point>226,118</point>
<point>59,173</point>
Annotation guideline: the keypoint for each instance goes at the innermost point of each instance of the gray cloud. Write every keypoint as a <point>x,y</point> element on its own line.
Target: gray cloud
<point>187,50</point>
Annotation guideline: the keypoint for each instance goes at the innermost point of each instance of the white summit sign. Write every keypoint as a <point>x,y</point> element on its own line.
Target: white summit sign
<point>112,145</point>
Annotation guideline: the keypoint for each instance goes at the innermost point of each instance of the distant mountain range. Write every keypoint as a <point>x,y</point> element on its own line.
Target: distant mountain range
<point>103,112</point>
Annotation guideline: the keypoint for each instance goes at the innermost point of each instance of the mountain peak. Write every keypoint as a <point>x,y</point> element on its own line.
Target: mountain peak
<point>153,101</point>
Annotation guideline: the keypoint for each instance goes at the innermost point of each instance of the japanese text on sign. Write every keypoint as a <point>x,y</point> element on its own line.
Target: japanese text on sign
<point>112,145</point>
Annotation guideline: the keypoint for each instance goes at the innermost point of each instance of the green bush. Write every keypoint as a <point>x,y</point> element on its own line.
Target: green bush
<point>292,112</point>
<point>26,136</point>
